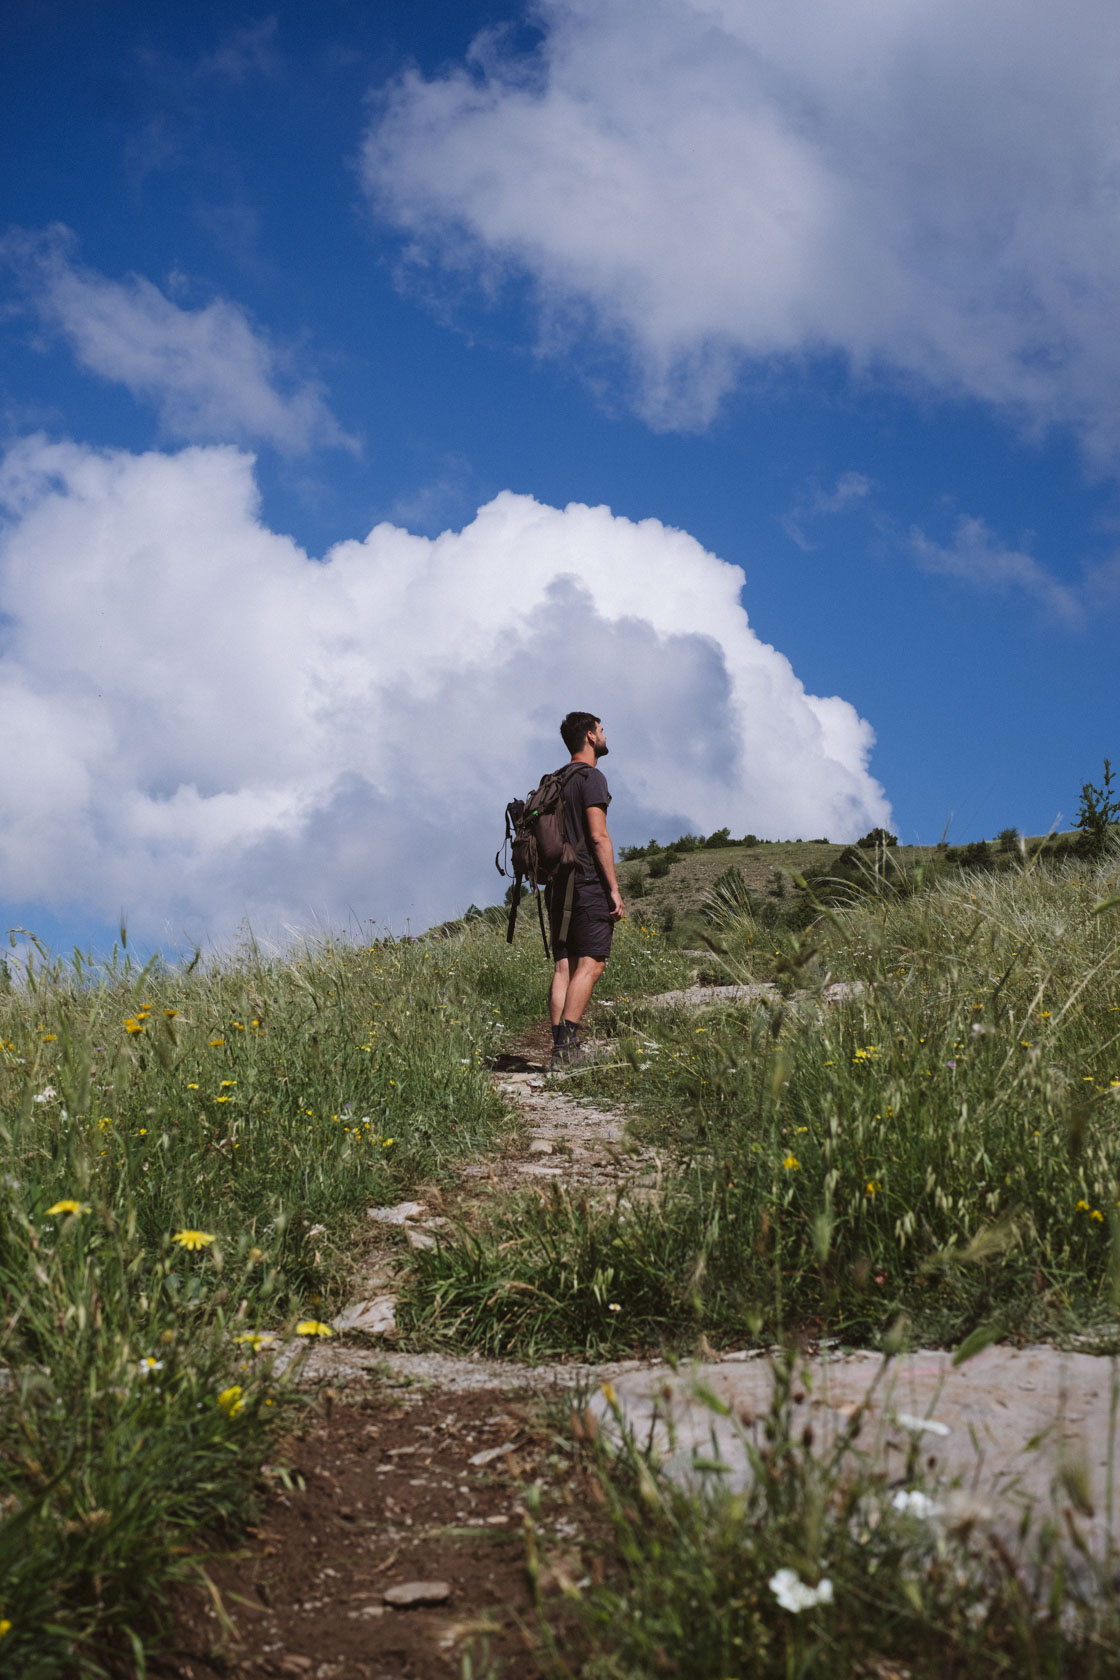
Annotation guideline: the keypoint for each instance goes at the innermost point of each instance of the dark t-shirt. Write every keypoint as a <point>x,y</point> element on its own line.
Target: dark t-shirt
<point>587,787</point>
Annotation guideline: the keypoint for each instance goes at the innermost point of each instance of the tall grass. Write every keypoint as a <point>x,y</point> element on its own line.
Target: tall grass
<point>186,1156</point>
<point>942,1145</point>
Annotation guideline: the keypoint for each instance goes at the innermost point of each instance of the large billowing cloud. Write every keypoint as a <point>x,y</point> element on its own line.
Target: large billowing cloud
<point>202,723</point>
<point>926,188</point>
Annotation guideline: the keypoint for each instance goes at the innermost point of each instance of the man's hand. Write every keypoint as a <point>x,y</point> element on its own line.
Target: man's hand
<point>618,909</point>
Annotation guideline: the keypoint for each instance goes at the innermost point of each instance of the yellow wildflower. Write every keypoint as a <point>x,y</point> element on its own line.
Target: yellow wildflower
<point>193,1239</point>
<point>1097,1215</point>
<point>791,1163</point>
<point>1081,1207</point>
<point>68,1205</point>
<point>312,1327</point>
<point>216,1043</point>
<point>132,1025</point>
<point>230,1399</point>
<point>256,1339</point>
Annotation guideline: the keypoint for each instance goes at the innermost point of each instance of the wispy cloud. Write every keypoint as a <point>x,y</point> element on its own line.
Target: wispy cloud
<point>974,556</point>
<point>977,556</point>
<point>927,190</point>
<point>850,490</point>
<point>210,374</point>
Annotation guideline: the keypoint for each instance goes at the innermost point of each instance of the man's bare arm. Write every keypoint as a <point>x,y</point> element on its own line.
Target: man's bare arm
<point>604,857</point>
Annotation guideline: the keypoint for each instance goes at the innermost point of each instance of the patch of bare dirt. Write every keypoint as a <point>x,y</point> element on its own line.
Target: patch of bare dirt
<point>391,1491</point>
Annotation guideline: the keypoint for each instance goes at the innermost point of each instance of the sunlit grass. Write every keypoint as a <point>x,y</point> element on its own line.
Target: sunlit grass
<point>942,1144</point>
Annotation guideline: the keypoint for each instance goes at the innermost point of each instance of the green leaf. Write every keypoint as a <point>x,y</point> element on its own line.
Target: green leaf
<point>980,1338</point>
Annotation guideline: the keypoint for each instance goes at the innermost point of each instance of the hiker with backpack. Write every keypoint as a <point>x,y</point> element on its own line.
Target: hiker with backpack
<point>560,841</point>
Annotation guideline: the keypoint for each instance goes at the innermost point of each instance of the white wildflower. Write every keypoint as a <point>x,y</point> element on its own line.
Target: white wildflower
<point>913,1503</point>
<point>919,1424</point>
<point>47,1094</point>
<point>794,1595</point>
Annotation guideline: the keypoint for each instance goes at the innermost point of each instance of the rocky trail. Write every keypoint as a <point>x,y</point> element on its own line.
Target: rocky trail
<point>393,1541</point>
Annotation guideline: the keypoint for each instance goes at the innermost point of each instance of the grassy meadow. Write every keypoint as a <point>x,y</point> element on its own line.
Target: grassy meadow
<point>937,1151</point>
<point>187,1157</point>
<point>189,1153</point>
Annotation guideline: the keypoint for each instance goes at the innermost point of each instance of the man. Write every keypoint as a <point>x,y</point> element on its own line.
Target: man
<point>596,901</point>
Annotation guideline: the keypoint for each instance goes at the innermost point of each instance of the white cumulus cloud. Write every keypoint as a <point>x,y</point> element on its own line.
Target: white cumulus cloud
<point>203,723</point>
<point>209,372</point>
<point>926,189</point>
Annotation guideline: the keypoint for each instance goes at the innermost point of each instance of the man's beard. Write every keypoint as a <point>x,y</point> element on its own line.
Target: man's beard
<point>601,752</point>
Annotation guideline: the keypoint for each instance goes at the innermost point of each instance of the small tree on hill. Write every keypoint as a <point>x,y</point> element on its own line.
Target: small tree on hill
<point>1099,810</point>
<point>877,837</point>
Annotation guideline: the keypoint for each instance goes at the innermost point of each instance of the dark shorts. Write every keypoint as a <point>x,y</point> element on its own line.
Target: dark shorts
<point>590,930</point>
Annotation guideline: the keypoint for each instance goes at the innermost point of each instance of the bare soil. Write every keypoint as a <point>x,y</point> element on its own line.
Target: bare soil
<point>379,1492</point>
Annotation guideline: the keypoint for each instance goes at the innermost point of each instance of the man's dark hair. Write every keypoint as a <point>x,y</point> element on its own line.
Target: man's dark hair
<point>574,729</point>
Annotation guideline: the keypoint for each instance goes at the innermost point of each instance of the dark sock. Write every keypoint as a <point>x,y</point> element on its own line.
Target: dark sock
<point>571,1030</point>
<point>558,1033</point>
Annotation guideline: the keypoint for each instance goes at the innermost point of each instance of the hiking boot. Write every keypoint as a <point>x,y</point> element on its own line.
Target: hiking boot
<point>575,1053</point>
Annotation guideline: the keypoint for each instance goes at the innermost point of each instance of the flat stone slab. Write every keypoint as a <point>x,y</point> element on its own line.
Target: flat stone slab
<point>398,1215</point>
<point>413,1595</point>
<point>699,997</point>
<point>695,997</point>
<point>372,1318</point>
<point>998,1431</point>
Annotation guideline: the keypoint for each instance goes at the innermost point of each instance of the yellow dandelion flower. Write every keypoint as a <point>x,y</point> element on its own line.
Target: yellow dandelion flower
<point>226,1083</point>
<point>312,1327</point>
<point>193,1239</point>
<point>256,1339</point>
<point>192,1085</point>
<point>791,1163</point>
<point>216,1043</point>
<point>49,1038</point>
<point>230,1399</point>
<point>68,1205</point>
<point>221,1099</point>
<point>132,1025</point>
<point>171,1013</point>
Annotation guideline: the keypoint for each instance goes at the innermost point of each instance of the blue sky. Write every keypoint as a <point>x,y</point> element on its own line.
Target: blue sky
<point>825,293</point>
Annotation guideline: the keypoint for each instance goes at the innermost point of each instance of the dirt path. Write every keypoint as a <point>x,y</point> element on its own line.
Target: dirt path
<point>410,1470</point>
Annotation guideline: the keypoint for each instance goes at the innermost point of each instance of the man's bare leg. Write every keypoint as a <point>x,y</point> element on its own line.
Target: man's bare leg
<point>558,991</point>
<point>581,984</point>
